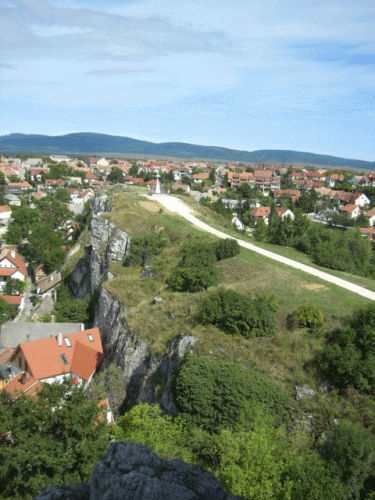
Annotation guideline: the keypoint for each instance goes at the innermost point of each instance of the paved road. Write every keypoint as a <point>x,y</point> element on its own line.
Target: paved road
<point>176,205</point>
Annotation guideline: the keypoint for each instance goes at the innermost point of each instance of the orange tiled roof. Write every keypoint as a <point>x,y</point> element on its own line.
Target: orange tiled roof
<point>18,386</point>
<point>16,260</point>
<point>5,208</point>
<point>260,212</point>
<point>85,360</point>
<point>370,213</point>
<point>12,299</point>
<point>5,355</point>
<point>19,184</point>
<point>348,208</point>
<point>44,356</point>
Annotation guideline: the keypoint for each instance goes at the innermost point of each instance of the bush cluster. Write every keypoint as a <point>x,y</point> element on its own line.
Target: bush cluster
<point>348,357</point>
<point>235,313</point>
<point>212,393</point>
<point>308,316</point>
<point>196,271</point>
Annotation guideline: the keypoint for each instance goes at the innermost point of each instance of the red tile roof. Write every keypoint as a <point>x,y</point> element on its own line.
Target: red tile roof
<point>13,257</point>
<point>5,208</point>
<point>44,356</point>
<point>22,384</point>
<point>12,299</point>
<point>348,208</point>
<point>5,355</point>
<point>260,212</point>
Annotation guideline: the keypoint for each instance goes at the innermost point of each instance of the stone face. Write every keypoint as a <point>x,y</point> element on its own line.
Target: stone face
<point>107,244</point>
<point>133,472</point>
<point>70,492</point>
<point>157,300</point>
<point>99,204</point>
<point>303,392</point>
<point>145,373</point>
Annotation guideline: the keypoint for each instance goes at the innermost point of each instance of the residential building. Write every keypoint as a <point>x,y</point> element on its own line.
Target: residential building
<point>11,266</point>
<point>352,210</point>
<point>75,355</point>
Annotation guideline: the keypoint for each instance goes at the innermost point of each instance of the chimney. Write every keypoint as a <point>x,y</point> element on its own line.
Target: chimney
<point>24,377</point>
<point>13,253</point>
<point>59,339</point>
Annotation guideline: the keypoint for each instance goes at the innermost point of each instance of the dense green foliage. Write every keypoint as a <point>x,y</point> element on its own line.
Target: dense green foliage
<point>69,309</point>
<point>116,175</point>
<point>344,250</point>
<point>308,316</point>
<point>7,311</point>
<point>349,357</point>
<point>349,453</point>
<point>212,393</point>
<point>196,271</point>
<point>235,313</point>
<point>39,231</point>
<point>51,439</point>
<point>225,249</point>
<point>14,287</point>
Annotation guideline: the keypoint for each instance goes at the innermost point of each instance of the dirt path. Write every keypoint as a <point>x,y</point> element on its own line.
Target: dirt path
<point>175,205</point>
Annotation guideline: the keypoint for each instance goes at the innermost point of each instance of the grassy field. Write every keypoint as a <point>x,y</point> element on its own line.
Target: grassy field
<point>286,356</point>
<point>219,222</point>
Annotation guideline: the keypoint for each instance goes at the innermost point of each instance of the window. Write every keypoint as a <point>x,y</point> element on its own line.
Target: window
<point>67,342</point>
<point>90,337</point>
<point>64,359</point>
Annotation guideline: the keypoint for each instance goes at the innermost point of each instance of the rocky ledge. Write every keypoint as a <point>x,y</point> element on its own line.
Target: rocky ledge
<point>133,472</point>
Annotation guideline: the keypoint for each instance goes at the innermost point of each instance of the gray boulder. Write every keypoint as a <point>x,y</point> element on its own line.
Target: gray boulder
<point>133,472</point>
<point>303,392</point>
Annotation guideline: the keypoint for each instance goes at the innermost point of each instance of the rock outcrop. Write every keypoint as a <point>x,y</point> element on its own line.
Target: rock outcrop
<point>107,244</point>
<point>149,376</point>
<point>133,472</point>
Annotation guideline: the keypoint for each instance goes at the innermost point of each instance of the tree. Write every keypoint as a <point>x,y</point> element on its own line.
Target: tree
<point>308,316</point>
<point>54,438</point>
<point>7,311</point>
<point>212,393</point>
<point>349,357</point>
<point>349,452</point>
<point>69,309</point>
<point>237,314</point>
<point>260,232</point>
<point>115,176</point>
<point>14,287</point>
<point>62,195</point>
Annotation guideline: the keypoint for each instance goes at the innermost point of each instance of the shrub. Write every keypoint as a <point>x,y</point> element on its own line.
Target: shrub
<point>212,393</point>
<point>236,314</point>
<point>193,278</point>
<point>348,358</point>
<point>308,316</point>
<point>225,249</point>
<point>349,453</point>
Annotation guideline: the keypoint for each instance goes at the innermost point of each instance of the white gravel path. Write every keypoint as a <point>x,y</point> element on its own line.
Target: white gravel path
<point>175,205</point>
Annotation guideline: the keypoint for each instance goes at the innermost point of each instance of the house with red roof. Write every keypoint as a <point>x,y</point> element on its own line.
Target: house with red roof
<point>352,210</point>
<point>370,214</point>
<point>11,266</point>
<point>75,355</point>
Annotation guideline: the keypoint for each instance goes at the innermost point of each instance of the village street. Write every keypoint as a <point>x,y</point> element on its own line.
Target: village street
<point>175,205</point>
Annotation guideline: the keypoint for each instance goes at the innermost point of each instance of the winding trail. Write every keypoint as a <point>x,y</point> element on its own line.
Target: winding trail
<point>175,205</point>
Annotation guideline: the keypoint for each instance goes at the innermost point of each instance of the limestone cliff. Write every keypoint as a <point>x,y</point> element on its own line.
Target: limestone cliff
<point>148,377</point>
<point>133,472</point>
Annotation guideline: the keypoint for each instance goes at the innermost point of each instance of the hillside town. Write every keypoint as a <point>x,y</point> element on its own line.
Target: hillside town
<point>249,193</point>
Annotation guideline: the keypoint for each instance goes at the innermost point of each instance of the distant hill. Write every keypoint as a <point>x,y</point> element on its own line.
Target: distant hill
<point>89,144</point>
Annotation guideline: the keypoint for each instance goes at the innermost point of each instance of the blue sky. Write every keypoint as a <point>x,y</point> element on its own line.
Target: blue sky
<point>241,74</point>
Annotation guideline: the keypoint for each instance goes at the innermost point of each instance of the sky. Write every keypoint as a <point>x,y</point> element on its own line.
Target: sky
<point>241,74</point>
